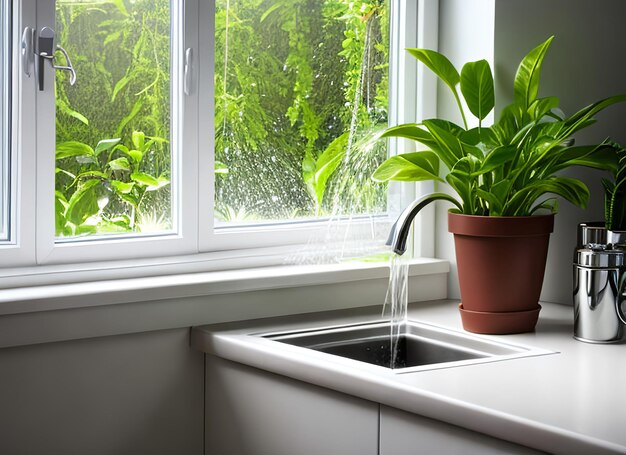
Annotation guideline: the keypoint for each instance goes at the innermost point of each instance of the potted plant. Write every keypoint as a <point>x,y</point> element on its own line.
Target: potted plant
<point>505,177</point>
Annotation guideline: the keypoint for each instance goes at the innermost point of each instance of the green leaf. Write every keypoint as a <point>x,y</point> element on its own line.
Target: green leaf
<point>443,68</point>
<point>64,108</point>
<point>161,182</point>
<point>602,156</point>
<point>542,107</point>
<point>139,140</point>
<point>136,156</point>
<point>113,37</point>
<point>449,147</point>
<point>499,156</point>
<point>438,64</point>
<point>477,88</point>
<point>121,7</point>
<point>270,10</point>
<point>495,204</point>
<point>410,131</point>
<point>327,163</point>
<point>123,82</point>
<point>526,84</point>
<point>133,113</point>
<point>579,120</point>
<point>572,190</point>
<point>417,166</point>
<point>106,144</point>
<point>144,179</point>
<point>120,164</point>
<point>60,205</point>
<point>73,149</point>
<point>83,203</point>
<point>122,187</point>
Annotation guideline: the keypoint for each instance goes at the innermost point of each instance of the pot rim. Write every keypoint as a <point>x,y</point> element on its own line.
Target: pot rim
<point>500,226</point>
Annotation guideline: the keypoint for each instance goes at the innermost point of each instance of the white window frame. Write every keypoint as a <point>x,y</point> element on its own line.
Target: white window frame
<point>32,172</point>
<point>5,119</point>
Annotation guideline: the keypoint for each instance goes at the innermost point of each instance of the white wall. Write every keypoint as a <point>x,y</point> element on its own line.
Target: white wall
<point>466,30</point>
<point>586,62</point>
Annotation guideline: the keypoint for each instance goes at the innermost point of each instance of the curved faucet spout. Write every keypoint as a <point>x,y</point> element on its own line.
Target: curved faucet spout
<point>400,230</point>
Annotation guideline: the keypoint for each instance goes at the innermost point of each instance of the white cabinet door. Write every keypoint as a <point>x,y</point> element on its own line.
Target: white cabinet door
<point>253,412</point>
<point>403,433</point>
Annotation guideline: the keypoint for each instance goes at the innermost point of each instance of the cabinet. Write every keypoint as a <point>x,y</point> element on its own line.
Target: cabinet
<point>403,433</point>
<point>254,412</point>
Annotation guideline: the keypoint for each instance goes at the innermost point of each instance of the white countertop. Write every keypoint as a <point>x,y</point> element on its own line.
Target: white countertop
<point>570,402</point>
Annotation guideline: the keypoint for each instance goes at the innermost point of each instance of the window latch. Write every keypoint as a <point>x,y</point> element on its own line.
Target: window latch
<point>44,50</point>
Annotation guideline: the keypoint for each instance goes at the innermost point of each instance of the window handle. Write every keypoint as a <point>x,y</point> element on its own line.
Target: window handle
<point>187,71</point>
<point>67,67</point>
<point>45,51</point>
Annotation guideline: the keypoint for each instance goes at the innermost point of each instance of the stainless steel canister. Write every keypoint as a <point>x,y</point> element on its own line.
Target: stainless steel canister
<point>600,294</point>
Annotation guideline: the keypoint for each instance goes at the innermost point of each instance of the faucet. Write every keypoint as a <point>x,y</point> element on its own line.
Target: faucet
<point>400,229</point>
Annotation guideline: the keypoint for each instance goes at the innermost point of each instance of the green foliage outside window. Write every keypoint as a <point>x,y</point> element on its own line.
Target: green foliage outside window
<point>297,83</point>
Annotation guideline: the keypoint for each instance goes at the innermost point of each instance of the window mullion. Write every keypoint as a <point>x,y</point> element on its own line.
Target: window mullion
<point>206,127</point>
<point>45,143</point>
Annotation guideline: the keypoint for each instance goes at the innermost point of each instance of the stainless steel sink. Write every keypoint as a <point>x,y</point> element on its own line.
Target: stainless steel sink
<point>420,346</point>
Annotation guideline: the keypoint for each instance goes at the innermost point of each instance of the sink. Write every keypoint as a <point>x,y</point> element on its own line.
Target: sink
<point>420,346</point>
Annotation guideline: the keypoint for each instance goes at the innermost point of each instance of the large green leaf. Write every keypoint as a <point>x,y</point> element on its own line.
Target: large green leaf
<point>602,156</point>
<point>496,158</point>
<point>83,203</point>
<point>106,144</point>
<point>449,147</point>
<point>507,126</point>
<point>144,179</point>
<point>138,139</point>
<point>579,120</point>
<point>443,68</point>
<point>161,182</point>
<point>120,164</point>
<point>477,88</point>
<point>122,187</point>
<point>327,163</point>
<point>526,83</point>
<point>572,190</point>
<point>73,148</point>
<point>416,166</point>
<point>541,107</point>
<point>410,131</point>
<point>438,64</point>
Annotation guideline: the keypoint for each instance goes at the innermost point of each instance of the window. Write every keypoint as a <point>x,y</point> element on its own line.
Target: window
<point>5,117</point>
<point>297,84</point>
<point>114,144</point>
<point>197,126</point>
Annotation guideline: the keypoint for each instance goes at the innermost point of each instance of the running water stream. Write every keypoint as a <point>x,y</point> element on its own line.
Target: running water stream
<point>397,300</point>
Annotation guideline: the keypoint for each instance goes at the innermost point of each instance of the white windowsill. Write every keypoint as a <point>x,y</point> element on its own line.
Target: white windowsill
<point>180,281</point>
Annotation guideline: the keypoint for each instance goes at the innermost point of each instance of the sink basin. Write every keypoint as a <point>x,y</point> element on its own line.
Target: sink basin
<point>420,346</point>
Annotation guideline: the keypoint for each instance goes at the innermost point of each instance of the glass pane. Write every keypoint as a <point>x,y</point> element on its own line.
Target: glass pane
<point>113,130</point>
<point>298,85</point>
<point>5,127</point>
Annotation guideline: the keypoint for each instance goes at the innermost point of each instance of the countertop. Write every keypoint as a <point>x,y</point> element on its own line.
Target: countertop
<point>570,402</point>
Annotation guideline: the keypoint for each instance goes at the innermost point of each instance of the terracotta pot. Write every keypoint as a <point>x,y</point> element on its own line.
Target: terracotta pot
<point>501,263</point>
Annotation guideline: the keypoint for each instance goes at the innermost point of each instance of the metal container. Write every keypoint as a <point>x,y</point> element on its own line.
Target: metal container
<point>599,285</point>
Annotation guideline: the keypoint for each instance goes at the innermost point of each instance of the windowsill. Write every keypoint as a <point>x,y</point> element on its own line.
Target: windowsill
<point>177,279</point>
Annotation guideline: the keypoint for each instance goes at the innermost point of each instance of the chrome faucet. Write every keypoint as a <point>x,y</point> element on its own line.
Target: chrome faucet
<point>401,228</point>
